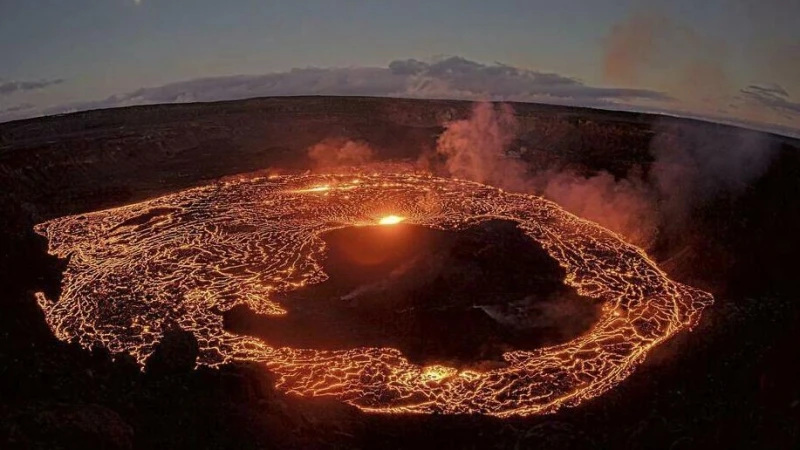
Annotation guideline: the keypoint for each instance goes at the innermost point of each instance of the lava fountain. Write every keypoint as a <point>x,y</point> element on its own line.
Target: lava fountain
<point>181,259</point>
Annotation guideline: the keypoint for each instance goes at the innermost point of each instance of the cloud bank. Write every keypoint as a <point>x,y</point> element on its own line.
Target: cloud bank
<point>11,87</point>
<point>637,52</point>
<point>452,77</point>
<point>771,96</point>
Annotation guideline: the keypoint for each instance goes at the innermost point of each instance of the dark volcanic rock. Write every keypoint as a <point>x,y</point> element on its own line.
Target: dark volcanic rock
<point>458,297</point>
<point>176,353</point>
<point>70,427</point>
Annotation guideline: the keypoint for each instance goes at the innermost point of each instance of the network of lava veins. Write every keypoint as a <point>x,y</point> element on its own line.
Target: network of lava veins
<point>182,259</point>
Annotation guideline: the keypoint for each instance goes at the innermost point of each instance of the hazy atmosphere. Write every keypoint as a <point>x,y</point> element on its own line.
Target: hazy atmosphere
<point>730,61</point>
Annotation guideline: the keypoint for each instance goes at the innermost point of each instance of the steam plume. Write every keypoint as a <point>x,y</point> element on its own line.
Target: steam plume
<point>338,153</point>
<point>622,205</point>
<point>475,148</point>
<point>690,165</point>
<point>649,48</point>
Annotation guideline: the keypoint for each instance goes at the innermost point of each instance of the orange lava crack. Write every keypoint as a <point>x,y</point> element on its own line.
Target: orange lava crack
<point>181,258</point>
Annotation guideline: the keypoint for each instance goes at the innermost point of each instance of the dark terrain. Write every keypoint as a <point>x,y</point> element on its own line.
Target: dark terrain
<point>455,298</point>
<point>731,383</point>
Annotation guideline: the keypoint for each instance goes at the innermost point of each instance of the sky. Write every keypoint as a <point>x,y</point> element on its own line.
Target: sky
<point>727,60</point>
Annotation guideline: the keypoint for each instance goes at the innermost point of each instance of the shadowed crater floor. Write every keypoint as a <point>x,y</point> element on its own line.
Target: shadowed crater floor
<point>456,297</point>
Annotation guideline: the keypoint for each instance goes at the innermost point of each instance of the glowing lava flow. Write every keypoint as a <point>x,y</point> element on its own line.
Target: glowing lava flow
<point>390,220</point>
<point>180,259</point>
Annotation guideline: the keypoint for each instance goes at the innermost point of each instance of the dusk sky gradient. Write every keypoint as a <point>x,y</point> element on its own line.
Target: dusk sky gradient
<point>734,60</point>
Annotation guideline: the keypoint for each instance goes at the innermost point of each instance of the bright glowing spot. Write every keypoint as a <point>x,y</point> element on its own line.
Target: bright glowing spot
<point>437,373</point>
<point>391,220</point>
<point>322,188</point>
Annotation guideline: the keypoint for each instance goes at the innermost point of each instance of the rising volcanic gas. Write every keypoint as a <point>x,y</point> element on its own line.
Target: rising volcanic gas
<point>182,259</point>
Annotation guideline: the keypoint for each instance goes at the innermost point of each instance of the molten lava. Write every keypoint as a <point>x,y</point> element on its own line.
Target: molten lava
<point>391,220</point>
<point>181,259</point>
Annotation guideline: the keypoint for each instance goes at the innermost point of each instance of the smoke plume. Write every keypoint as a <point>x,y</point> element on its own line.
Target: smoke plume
<point>694,164</point>
<point>649,48</point>
<point>691,164</point>
<point>476,148</point>
<point>621,205</point>
<point>631,46</point>
<point>339,153</point>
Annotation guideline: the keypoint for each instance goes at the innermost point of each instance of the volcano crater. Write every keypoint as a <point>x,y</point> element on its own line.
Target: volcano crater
<point>456,297</point>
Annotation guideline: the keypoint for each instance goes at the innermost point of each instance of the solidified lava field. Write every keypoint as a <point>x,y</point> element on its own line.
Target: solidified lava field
<point>181,259</point>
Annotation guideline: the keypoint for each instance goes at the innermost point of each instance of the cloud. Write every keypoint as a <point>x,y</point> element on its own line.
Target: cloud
<point>452,77</point>
<point>768,90</point>
<point>17,108</point>
<point>771,96</point>
<point>11,87</point>
<point>700,87</point>
<point>503,82</point>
